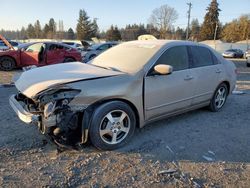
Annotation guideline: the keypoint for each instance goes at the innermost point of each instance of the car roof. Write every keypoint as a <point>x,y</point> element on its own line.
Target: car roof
<point>161,43</point>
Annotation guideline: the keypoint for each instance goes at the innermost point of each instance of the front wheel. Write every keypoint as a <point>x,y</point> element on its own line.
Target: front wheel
<point>7,63</point>
<point>112,125</point>
<point>219,98</point>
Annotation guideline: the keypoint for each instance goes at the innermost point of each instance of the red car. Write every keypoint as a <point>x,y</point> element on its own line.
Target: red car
<point>39,54</point>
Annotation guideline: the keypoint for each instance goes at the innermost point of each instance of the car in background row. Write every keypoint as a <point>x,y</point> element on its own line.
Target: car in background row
<point>127,86</point>
<point>247,54</point>
<point>248,61</point>
<point>4,47</point>
<point>38,54</point>
<point>233,53</point>
<point>76,45</point>
<point>96,49</point>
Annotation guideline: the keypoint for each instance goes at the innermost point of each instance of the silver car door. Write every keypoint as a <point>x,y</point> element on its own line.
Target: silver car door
<point>169,93</point>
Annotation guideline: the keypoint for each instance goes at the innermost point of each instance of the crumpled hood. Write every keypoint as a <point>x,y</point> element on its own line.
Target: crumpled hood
<point>36,80</point>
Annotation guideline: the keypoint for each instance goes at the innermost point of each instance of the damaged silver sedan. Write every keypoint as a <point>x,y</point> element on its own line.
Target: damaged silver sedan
<point>125,87</point>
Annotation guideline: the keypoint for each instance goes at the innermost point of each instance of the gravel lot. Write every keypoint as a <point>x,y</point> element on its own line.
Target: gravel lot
<point>196,149</point>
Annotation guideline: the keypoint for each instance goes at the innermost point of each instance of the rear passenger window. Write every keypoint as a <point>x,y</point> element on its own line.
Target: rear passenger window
<point>201,57</point>
<point>177,57</point>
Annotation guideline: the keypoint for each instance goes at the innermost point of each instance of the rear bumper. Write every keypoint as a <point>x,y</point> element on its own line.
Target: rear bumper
<point>23,115</point>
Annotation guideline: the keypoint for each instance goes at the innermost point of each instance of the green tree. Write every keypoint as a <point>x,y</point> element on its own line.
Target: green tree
<point>211,24</point>
<point>71,34</point>
<point>46,31</point>
<point>38,30</point>
<point>113,34</point>
<point>195,30</point>
<point>52,29</point>
<point>84,26</point>
<point>30,31</point>
<point>94,28</point>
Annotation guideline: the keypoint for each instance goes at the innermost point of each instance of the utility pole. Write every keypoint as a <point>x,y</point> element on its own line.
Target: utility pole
<point>215,35</point>
<point>189,12</point>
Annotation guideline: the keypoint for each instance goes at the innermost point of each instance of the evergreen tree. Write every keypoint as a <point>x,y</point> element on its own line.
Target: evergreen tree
<point>84,26</point>
<point>95,28</point>
<point>52,29</point>
<point>38,30</point>
<point>46,31</point>
<point>30,31</point>
<point>113,34</point>
<point>211,22</point>
<point>71,34</point>
<point>195,30</point>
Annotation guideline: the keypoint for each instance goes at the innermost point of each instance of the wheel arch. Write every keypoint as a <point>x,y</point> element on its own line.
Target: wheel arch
<point>87,115</point>
<point>227,84</point>
<point>131,105</point>
<point>14,59</point>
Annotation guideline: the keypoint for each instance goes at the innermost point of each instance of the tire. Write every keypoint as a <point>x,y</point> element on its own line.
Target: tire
<point>248,64</point>
<point>219,98</point>
<point>112,125</point>
<point>69,59</point>
<point>7,63</point>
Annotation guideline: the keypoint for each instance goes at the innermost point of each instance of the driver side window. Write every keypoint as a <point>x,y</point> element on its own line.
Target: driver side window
<point>177,57</point>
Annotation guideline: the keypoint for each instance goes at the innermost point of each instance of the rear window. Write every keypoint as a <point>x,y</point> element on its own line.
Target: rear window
<point>201,57</point>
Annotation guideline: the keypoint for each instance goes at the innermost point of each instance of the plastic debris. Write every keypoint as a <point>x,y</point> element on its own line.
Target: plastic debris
<point>211,152</point>
<point>169,171</point>
<point>235,92</point>
<point>207,158</point>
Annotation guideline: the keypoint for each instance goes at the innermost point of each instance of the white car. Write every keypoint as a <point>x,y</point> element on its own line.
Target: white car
<point>96,49</point>
<point>4,47</point>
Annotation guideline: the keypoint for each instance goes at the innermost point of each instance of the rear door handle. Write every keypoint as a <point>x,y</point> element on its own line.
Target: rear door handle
<point>218,71</point>
<point>188,77</point>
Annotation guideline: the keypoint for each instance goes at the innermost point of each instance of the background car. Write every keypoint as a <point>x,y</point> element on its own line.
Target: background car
<point>247,54</point>
<point>233,53</point>
<point>38,54</point>
<point>4,47</point>
<point>78,46</point>
<point>128,86</point>
<point>96,49</point>
<point>248,61</point>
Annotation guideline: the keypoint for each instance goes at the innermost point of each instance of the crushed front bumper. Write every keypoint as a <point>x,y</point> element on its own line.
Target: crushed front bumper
<point>23,115</point>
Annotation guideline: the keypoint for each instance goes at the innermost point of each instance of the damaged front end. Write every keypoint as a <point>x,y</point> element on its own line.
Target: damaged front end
<point>52,112</point>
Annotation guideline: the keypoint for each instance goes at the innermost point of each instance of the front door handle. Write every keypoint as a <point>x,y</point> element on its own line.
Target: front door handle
<point>188,77</point>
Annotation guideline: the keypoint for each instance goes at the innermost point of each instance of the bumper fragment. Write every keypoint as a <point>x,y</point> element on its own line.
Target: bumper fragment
<point>21,112</point>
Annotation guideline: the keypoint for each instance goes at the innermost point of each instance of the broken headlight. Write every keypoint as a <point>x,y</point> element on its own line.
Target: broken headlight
<point>49,108</point>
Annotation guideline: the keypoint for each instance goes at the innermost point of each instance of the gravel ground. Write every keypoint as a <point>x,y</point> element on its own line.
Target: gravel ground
<point>196,149</point>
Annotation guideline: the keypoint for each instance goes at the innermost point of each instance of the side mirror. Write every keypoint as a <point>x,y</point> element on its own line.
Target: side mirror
<point>163,69</point>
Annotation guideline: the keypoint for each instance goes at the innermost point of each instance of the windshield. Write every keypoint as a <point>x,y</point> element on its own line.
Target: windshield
<point>127,57</point>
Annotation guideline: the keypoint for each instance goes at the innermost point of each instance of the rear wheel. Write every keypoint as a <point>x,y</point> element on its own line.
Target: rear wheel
<point>112,125</point>
<point>219,98</point>
<point>7,63</point>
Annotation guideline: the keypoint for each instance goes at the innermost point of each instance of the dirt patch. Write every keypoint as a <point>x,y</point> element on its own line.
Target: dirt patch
<point>6,76</point>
